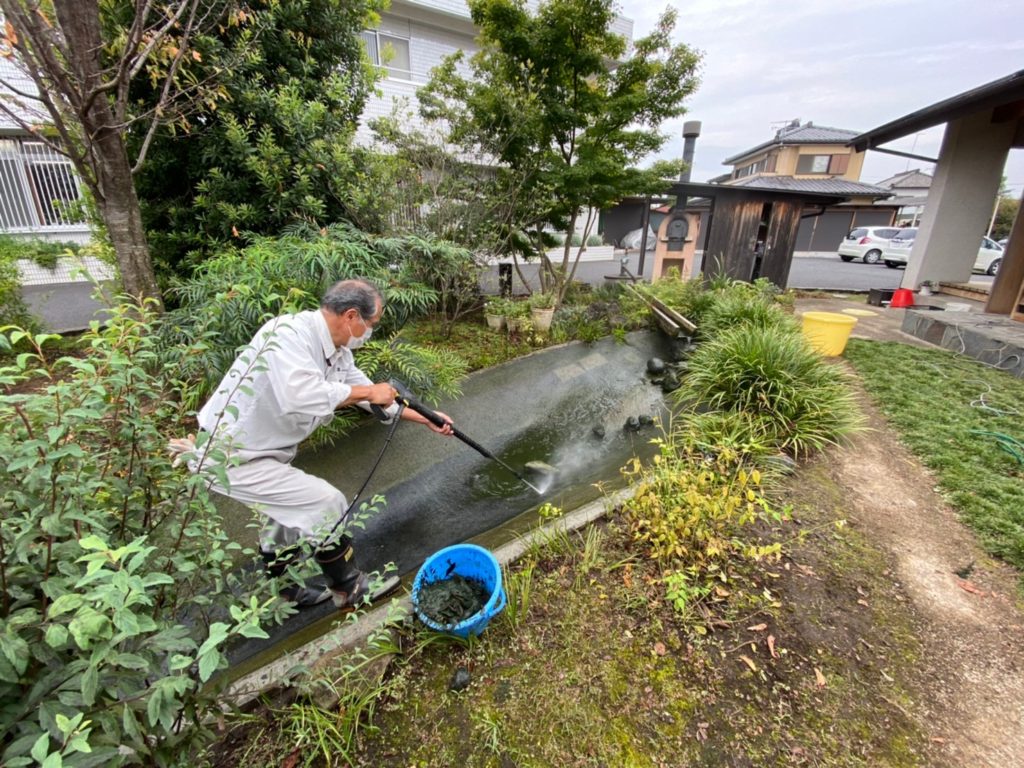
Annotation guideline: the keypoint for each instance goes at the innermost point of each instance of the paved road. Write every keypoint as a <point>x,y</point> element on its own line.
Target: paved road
<point>833,273</point>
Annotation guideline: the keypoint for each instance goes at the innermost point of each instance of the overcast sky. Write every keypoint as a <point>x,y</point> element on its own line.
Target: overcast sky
<point>852,65</point>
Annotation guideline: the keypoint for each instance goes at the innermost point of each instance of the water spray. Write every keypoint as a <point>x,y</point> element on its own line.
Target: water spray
<point>405,399</point>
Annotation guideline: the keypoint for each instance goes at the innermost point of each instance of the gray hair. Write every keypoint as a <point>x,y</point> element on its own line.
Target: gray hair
<point>358,294</point>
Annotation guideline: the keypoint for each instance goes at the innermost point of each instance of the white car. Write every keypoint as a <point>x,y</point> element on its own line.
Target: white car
<point>897,253</point>
<point>866,243</point>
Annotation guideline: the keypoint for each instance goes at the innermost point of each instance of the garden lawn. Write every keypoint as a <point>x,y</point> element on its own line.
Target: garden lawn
<point>959,417</point>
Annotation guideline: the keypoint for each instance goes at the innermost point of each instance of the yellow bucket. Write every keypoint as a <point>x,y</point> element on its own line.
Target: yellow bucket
<point>828,332</point>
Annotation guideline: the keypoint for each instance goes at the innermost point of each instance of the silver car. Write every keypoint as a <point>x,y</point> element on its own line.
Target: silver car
<point>866,243</point>
<point>897,253</point>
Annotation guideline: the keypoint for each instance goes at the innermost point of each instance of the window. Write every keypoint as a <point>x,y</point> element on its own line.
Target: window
<point>813,163</point>
<point>390,52</point>
<point>38,188</point>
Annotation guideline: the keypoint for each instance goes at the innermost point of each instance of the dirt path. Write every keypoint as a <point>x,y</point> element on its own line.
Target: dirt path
<point>972,668</point>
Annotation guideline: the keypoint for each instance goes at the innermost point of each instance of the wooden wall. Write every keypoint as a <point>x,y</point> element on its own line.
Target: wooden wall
<point>781,241</point>
<point>733,235</point>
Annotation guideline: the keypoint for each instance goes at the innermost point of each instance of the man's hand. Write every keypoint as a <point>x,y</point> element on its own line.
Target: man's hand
<point>446,429</point>
<point>382,394</point>
<point>181,449</point>
<point>410,415</point>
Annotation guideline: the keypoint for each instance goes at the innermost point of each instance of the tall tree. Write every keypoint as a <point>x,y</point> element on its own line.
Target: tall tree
<point>81,70</point>
<point>277,148</point>
<point>553,98</point>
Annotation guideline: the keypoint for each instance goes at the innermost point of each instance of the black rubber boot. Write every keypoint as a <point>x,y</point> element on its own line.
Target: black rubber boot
<point>276,565</point>
<point>349,585</point>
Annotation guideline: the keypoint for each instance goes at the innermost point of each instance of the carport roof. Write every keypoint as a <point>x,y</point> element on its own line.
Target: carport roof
<point>1006,93</point>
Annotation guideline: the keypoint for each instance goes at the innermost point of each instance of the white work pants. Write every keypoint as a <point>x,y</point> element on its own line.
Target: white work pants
<point>297,505</point>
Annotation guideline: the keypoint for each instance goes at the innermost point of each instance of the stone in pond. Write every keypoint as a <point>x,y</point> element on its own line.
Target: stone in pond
<point>645,420</point>
<point>632,424</point>
<point>670,384</point>
<point>655,365</point>
<point>598,431</point>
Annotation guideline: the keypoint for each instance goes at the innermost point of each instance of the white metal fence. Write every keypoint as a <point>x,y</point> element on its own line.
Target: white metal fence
<point>39,191</point>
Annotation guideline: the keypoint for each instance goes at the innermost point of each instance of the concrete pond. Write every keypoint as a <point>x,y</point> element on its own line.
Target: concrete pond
<point>567,406</point>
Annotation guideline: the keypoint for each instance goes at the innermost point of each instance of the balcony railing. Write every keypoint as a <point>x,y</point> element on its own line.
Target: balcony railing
<point>39,191</point>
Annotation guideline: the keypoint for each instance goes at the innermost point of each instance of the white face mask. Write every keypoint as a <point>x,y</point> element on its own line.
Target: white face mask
<point>355,342</point>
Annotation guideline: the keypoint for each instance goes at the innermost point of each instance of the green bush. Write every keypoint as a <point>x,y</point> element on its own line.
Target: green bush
<point>120,589</point>
<point>722,305</point>
<point>595,240</point>
<point>771,373</point>
<point>450,270</point>
<point>231,295</point>
<point>578,322</point>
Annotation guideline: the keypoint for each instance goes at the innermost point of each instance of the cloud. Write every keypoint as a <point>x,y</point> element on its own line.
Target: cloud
<point>854,66</point>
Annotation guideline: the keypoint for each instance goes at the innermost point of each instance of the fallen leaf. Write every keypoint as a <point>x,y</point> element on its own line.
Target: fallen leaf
<point>197,55</point>
<point>702,731</point>
<point>292,760</point>
<point>966,586</point>
<point>771,646</point>
<point>863,602</point>
<point>938,740</point>
<point>758,628</point>
<point>749,662</point>
<point>660,649</point>
<point>819,678</point>
<point>721,592</point>
<point>234,230</point>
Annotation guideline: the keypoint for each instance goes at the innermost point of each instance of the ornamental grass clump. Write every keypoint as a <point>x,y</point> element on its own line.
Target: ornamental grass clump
<point>801,402</point>
<point>732,308</point>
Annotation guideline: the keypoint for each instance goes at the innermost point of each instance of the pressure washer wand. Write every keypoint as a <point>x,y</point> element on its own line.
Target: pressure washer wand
<point>407,400</point>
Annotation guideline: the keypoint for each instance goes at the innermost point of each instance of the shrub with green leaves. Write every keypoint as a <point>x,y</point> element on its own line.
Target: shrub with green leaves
<point>689,513</point>
<point>120,589</point>
<point>233,294</point>
<point>800,401</point>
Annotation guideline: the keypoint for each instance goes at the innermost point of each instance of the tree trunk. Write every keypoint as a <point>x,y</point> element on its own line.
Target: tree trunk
<point>112,185</point>
<point>119,208</point>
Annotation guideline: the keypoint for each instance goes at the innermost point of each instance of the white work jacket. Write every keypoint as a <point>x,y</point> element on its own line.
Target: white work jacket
<point>283,385</point>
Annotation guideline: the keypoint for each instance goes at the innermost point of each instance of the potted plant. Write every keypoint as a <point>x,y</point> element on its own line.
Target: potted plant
<point>494,311</point>
<point>542,310</point>
<point>516,314</point>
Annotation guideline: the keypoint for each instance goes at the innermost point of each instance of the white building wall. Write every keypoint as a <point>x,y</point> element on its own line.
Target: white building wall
<point>428,46</point>
<point>435,29</point>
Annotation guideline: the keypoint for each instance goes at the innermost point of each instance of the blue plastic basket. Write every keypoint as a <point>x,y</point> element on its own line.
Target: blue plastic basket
<point>470,562</point>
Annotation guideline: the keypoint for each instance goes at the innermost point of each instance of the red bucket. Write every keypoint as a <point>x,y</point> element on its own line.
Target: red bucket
<point>902,298</point>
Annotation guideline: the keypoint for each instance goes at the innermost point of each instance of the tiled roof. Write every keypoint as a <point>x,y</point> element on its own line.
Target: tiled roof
<point>800,134</point>
<point>822,186</point>
<point>68,270</point>
<point>914,178</point>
